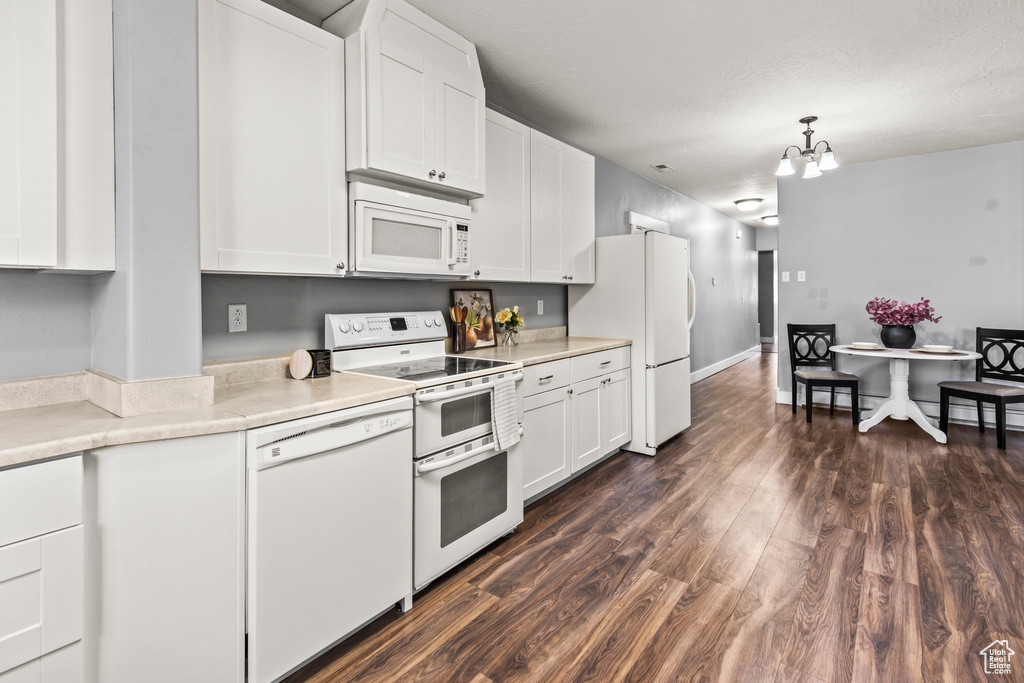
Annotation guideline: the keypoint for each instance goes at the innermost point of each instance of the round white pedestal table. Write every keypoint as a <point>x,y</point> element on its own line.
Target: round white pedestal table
<point>899,406</point>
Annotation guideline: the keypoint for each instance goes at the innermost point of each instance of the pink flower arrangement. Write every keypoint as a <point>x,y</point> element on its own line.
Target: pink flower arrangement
<point>888,312</point>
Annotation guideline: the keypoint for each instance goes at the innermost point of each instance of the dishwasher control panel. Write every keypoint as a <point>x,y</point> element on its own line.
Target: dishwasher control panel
<point>309,436</point>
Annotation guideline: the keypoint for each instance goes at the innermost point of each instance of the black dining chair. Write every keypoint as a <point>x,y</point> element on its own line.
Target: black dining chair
<point>809,348</point>
<point>1002,359</point>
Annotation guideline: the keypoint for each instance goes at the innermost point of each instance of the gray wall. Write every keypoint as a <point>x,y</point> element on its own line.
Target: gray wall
<point>726,319</point>
<point>45,323</point>
<point>766,292</point>
<point>287,313</point>
<point>947,226</point>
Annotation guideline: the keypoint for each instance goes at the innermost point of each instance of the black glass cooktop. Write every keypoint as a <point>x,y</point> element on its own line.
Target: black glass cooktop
<point>436,368</point>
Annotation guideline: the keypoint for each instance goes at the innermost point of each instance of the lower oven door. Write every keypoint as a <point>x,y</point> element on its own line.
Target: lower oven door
<point>464,498</point>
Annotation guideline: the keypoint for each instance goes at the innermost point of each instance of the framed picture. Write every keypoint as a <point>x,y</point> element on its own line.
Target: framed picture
<point>479,304</point>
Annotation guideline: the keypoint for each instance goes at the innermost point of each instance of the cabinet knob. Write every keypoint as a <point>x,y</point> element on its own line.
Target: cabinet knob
<point>432,173</point>
<point>341,266</point>
<point>570,392</point>
<point>441,175</point>
<point>476,273</point>
<point>570,277</point>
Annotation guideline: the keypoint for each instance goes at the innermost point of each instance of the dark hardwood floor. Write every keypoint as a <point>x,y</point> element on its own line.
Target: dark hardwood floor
<point>754,547</point>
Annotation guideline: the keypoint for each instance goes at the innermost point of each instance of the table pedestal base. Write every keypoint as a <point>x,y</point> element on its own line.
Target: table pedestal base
<point>899,406</point>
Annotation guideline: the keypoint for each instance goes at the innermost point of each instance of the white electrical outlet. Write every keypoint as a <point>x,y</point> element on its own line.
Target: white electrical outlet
<point>785,276</point>
<point>237,321</point>
<point>540,306</point>
<point>801,276</point>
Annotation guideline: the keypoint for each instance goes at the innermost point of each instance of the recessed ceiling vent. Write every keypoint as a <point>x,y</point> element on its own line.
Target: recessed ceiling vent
<point>662,168</point>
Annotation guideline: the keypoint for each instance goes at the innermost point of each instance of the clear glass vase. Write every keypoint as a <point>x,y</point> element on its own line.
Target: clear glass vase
<point>511,337</point>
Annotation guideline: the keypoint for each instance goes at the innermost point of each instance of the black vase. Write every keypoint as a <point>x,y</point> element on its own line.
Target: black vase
<point>898,336</point>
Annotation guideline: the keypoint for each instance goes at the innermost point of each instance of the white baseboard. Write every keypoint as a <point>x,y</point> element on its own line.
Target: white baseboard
<point>704,373</point>
<point>958,412</point>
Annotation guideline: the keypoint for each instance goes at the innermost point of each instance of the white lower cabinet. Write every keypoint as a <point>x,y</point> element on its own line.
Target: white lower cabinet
<point>547,440</point>
<point>577,411</point>
<point>41,572</point>
<point>165,551</point>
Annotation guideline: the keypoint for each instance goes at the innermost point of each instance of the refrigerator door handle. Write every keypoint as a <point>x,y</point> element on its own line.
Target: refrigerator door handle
<point>691,298</point>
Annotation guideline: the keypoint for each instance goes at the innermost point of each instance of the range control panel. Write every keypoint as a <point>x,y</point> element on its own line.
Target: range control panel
<point>349,330</point>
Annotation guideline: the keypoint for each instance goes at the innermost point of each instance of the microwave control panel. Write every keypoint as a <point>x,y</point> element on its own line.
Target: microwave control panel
<point>461,243</point>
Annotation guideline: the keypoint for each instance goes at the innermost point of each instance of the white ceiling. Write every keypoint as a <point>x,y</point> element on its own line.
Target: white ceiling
<point>715,89</point>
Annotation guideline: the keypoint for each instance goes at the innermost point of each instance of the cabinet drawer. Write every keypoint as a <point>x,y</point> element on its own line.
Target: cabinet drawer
<point>600,363</point>
<point>38,499</point>
<point>546,376</point>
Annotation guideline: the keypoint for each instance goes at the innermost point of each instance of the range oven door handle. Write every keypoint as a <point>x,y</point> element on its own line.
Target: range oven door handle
<point>423,468</point>
<point>432,397</point>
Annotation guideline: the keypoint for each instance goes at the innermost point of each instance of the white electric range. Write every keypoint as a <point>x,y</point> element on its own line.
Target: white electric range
<point>466,492</point>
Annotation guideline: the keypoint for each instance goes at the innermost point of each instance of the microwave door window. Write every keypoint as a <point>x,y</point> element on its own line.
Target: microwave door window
<point>391,238</point>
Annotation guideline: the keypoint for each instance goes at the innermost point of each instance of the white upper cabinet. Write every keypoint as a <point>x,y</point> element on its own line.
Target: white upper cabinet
<point>56,135</point>
<point>578,228</point>
<point>271,142</point>
<point>501,220</point>
<point>548,173</point>
<point>562,215</point>
<point>415,98</point>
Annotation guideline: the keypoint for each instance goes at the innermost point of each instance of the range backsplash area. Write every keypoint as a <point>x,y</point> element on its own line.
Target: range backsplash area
<point>287,313</point>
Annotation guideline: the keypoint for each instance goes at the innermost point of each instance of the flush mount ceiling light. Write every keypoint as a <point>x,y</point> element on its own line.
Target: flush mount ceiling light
<point>770,221</point>
<point>816,161</point>
<point>748,204</point>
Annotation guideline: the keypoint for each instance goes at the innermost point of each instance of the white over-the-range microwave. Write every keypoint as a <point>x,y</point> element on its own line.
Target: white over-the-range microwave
<point>401,234</point>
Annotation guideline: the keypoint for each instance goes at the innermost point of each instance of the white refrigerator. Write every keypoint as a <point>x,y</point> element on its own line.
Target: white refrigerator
<point>644,292</point>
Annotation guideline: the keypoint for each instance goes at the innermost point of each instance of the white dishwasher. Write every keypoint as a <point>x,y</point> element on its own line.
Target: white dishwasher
<point>329,501</point>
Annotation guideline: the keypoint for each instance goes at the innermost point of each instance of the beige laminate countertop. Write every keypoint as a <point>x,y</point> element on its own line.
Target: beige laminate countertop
<point>31,434</point>
<point>47,431</point>
<point>544,350</point>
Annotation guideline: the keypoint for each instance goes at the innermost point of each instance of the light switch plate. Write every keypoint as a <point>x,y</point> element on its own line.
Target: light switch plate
<point>540,306</point>
<point>785,276</point>
<point>801,276</point>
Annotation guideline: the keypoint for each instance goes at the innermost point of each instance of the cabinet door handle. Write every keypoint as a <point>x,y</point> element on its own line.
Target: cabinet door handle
<point>546,378</point>
<point>441,175</point>
<point>432,173</point>
<point>341,266</point>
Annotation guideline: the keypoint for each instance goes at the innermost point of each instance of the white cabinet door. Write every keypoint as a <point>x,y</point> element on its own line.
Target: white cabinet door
<point>41,596</point>
<point>500,248</point>
<point>562,212</point>
<point>459,140</point>
<point>578,229</point>
<point>28,132</point>
<point>615,405</point>
<point>400,111</point>
<point>547,441</point>
<point>272,182</point>
<point>167,560</point>
<point>547,209</point>
<point>588,432</point>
